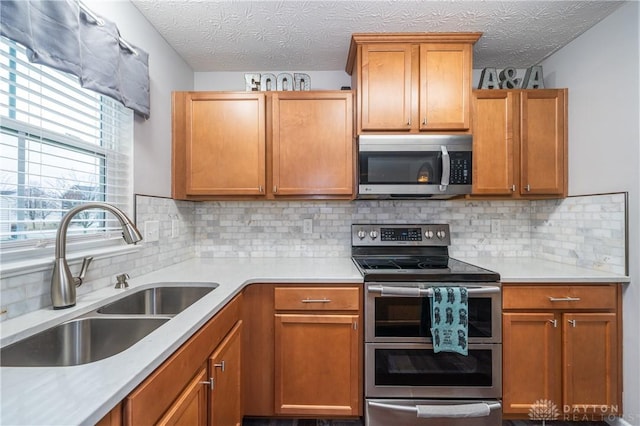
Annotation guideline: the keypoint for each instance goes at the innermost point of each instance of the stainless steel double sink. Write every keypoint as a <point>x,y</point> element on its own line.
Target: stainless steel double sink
<point>107,330</point>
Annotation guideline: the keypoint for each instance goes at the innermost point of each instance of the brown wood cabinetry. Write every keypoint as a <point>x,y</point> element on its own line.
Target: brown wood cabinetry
<point>412,82</point>
<point>184,389</point>
<point>562,344</point>
<point>317,351</point>
<point>262,145</point>
<point>520,143</point>
<point>302,350</point>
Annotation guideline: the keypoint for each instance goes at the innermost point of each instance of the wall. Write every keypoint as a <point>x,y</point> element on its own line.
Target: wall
<point>167,72</point>
<point>601,68</point>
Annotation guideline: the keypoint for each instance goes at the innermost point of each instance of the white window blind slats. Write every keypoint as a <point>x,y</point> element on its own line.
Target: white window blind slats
<point>61,146</point>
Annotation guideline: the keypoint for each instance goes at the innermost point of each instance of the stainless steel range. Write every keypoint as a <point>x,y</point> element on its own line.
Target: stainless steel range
<point>406,382</point>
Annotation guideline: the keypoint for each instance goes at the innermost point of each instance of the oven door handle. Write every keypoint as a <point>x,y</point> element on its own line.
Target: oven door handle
<point>475,409</point>
<point>422,292</point>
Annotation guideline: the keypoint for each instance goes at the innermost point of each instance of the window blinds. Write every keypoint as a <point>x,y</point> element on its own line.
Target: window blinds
<point>60,146</point>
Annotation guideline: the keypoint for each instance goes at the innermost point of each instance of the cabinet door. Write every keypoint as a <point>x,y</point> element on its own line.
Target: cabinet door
<point>225,144</point>
<point>590,358</point>
<point>225,370</point>
<point>494,149</point>
<point>386,87</point>
<point>312,143</point>
<point>445,86</point>
<point>530,361</point>
<point>543,142</point>
<point>191,406</point>
<point>317,364</point>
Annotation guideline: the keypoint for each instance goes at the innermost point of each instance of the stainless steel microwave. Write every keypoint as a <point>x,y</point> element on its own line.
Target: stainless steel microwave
<point>414,166</point>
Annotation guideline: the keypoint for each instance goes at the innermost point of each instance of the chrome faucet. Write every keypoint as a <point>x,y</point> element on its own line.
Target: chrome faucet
<point>63,283</point>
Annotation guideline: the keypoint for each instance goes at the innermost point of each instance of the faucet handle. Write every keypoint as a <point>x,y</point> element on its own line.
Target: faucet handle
<point>83,271</point>
<point>122,280</point>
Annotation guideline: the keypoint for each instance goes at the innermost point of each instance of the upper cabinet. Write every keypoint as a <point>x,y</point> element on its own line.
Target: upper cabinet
<point>262,145</point>
<point>412,82</point>
<point>520,143</point>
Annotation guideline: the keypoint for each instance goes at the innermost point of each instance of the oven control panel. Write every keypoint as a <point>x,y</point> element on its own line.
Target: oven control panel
<point>400,235</point>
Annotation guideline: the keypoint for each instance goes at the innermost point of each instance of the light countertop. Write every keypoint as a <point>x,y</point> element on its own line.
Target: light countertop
<point>84,394</point>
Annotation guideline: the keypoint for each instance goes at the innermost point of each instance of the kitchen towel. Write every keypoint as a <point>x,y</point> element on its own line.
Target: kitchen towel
<point>449,319</point>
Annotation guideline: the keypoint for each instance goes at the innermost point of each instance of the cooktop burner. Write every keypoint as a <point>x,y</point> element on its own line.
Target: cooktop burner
<point>411,253</point>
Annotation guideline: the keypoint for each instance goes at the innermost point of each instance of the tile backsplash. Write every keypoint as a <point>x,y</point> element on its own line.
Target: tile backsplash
<point>587,231</point>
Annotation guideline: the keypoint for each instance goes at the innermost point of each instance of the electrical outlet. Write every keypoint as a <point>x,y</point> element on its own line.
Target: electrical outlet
<point>307,226</point>
<point>151,231</point>
<point>495,226</point>
<point>175,228</point>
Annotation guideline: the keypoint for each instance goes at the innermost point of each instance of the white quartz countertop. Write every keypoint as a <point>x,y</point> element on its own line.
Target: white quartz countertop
<point>529,270</point>
<point>84,394</point>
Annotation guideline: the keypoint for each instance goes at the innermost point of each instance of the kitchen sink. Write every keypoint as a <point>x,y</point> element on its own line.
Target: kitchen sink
<point>79,341</point>
<point>159,300</point>
<point>107,330</point>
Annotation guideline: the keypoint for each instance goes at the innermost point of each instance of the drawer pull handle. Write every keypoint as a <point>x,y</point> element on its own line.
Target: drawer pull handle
<point>572,322</point>
<point>209,383</point>
<point>323,300</point>
<point>219,365</point>
<point>564,299</point>
<point>554,322</point>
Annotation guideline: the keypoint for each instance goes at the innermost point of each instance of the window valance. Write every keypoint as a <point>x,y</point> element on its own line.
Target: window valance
<point>67,36</point>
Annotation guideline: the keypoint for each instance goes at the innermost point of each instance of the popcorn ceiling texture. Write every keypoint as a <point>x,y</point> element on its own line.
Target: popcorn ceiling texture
<point>587,231</point>
<point>222,35</point>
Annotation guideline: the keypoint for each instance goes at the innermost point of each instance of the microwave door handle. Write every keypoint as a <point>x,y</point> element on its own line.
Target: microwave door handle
<point>446,169</point>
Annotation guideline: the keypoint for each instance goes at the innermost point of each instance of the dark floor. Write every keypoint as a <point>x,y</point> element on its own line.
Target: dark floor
<point>324,422</point>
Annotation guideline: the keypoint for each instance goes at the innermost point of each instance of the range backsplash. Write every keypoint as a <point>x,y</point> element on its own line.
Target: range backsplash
<point>587,231</point>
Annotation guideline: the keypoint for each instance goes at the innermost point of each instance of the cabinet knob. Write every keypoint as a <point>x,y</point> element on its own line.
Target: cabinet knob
<point>219,365</point>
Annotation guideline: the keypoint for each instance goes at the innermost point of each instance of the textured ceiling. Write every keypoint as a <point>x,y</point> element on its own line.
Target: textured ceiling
<point>297,35</point>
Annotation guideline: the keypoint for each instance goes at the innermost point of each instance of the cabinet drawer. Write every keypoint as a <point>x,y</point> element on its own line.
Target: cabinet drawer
<point>317,298</point>
<point>564,297</point>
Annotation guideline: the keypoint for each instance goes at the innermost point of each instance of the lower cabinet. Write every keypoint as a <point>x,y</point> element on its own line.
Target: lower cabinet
<point>200,384</point>
<point>317,351</point>
<point>561,350</point>
<point>302,350</point>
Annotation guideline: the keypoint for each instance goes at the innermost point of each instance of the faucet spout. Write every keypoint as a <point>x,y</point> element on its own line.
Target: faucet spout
<point>63,283</point>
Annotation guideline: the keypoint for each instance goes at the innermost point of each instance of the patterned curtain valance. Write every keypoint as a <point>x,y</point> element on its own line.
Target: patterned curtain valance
<point>65,35</point>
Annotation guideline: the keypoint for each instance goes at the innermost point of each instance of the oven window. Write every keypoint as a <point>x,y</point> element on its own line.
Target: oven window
<point>410,317</point>
<point>423,367</point>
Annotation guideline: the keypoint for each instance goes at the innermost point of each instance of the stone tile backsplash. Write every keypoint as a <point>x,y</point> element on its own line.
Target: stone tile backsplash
<point>587,231</point>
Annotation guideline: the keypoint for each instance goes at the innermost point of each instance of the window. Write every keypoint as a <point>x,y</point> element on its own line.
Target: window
<point>60,146</point>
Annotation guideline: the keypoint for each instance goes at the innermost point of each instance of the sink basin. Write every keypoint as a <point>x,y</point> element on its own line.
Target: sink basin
<point>79,341</point>
<point>169,300</point>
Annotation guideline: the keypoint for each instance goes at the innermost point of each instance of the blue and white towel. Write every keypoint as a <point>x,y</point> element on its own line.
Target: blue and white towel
<point>449,319</point>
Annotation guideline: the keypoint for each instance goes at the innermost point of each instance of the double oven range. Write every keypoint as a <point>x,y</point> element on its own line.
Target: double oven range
<point>406,382</point>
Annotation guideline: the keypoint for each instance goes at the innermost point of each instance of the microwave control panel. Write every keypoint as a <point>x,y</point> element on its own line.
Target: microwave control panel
<point>460,168</point>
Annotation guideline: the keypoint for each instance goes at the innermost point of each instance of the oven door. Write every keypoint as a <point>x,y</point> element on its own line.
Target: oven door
<point>412,412</point>
<point>413,370</point>
<point>397,312</point>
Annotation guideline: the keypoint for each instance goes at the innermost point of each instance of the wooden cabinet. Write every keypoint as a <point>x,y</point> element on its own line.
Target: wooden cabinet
<point>412,82</point>
<point>190,388</point>
<point>312,147</point>
<point>562,344</point>
<point>303,350</point>
<point>219,144</point>
<point>317,351</point>
<point>226,380</point>
<point>520,143</point>
<point>262,145</point>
